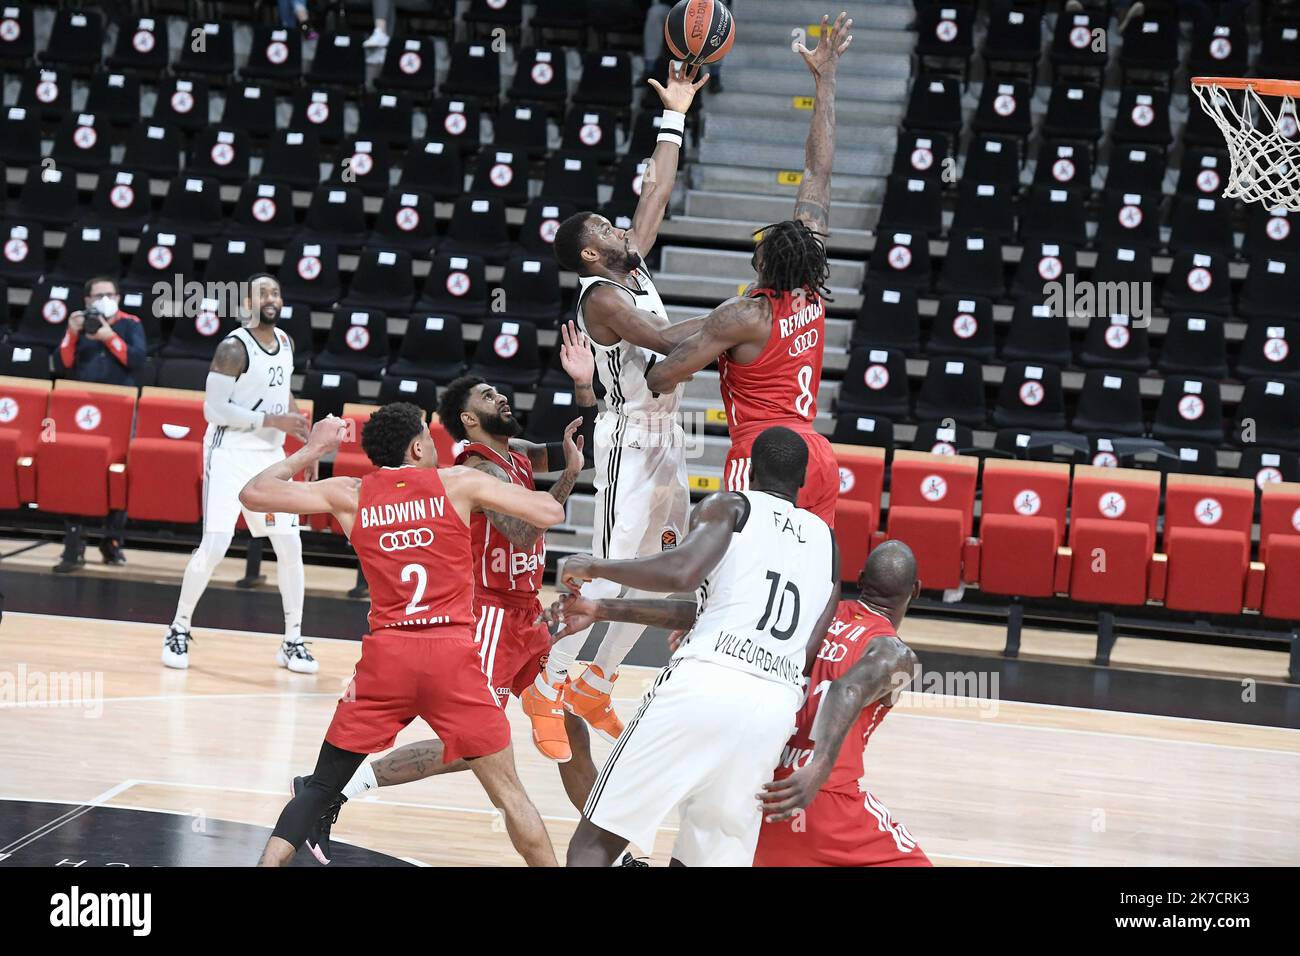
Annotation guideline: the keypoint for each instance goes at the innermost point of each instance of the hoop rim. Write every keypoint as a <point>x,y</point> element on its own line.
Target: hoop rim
<point>1261,86</point>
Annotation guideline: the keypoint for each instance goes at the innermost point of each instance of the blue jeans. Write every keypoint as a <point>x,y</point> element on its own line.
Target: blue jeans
<point>287,8</point>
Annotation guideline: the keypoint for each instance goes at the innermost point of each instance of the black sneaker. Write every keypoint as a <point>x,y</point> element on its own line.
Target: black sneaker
<point>318,841</point>
<point>630,860</point>
<point>67,565</point>
<point>112,552</point>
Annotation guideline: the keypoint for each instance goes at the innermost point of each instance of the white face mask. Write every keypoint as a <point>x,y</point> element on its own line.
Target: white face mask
<point>106,305</point>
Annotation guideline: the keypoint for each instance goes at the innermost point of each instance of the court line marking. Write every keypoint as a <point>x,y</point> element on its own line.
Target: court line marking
<point>183,813</point>
<point>976,702</point>
<point>60,705</point>
<point>49,827</point>
<point>374,800</point>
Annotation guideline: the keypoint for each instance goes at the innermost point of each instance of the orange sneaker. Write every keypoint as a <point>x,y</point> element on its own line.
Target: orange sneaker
<point>547,718</point>
<point>592,705</point>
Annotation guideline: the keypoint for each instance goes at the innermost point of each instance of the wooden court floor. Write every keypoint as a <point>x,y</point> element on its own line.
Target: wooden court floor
<point>995,783</point>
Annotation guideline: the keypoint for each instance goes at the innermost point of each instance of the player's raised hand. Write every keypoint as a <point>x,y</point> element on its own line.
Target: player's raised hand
<point>834,39</point>
<point>576,357</point>
<point>573,447</point>
<point>575,570</point>
<point>327,434</point>
<point>683,83</point>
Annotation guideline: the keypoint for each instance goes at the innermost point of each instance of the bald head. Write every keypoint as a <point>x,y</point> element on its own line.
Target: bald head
<point>888,579</point>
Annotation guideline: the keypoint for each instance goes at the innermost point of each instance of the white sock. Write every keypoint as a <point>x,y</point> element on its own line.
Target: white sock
<point>362,780</point>
<point>212,548</point>
<point>563,653</point>
<point>292,580</point>
<point>617,644</point>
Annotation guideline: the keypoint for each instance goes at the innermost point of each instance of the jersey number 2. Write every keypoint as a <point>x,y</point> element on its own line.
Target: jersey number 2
<point>421,582</point>
<point>780,633</point>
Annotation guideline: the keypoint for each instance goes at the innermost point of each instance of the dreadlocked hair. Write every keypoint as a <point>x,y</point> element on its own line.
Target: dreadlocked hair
<point>794,257</point>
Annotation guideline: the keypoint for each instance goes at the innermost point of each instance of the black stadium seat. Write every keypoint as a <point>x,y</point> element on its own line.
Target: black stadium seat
<point>963,327</point>
<point>953,389</point>
<point>875,383</point>
<point>433,348</point>
<point>507,353</point>
<point>1030,397</point>
<point>358,343</point>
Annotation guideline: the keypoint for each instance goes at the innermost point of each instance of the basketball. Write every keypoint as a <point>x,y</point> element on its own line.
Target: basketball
<point>699,31</point>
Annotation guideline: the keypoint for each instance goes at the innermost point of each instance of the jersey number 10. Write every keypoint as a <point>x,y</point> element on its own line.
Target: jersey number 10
<point>776,630</point>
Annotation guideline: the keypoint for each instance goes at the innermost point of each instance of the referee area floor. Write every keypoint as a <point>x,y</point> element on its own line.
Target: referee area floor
<point>199,763</point>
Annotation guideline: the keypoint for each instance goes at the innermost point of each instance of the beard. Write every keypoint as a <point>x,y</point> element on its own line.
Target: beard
<point>500,426</point>
<point>268,315</point>
<point>622,260</point>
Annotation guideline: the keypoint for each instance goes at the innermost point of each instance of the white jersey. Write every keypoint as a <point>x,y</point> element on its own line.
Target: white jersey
<point>760,604</point>
<point>262,387</point>
<point>622,366</point>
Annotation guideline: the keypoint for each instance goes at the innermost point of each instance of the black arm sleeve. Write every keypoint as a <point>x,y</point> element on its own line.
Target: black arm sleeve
<point>555,449</point>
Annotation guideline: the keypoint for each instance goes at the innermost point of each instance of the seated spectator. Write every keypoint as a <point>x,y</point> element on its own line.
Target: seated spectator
<point>293,13</point>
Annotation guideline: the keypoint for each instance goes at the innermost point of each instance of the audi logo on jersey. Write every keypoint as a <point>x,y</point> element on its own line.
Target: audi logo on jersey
<point>405,540</point>
<point>803,342</point>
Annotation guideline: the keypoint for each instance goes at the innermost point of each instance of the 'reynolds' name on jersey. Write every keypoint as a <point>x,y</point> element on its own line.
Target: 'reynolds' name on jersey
<point>808,314</point>
<point>402,512</point>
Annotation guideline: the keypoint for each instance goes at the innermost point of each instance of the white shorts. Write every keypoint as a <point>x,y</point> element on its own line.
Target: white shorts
<point>705,740</point>
<point>642,498</point>
<point>225,472</point>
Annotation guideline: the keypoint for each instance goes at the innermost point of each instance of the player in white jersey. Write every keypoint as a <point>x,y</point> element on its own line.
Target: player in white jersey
<point>711,728</point>
<point>642,497</point>
<point>249,409</point>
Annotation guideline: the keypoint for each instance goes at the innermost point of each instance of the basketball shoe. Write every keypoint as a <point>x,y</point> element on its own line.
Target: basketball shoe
<point>547,718</point>
<point>584,699</point>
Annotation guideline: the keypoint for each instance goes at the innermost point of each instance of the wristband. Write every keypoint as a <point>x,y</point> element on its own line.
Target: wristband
<point>672,127</point>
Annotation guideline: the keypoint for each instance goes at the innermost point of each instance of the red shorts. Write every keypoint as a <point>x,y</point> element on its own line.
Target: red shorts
<point>821,485</point>
<point>433,674</point>
<point>512,649</point>
<point>839,829</point>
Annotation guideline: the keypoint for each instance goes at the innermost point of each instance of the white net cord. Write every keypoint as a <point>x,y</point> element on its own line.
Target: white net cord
<point>1264,145</point>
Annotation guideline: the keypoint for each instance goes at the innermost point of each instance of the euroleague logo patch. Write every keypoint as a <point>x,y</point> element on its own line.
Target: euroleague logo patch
<point>668,540</point>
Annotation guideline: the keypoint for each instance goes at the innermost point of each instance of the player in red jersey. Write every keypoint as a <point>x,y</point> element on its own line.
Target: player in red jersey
<point>509,560</point>
<point>860,667</point>
<point>409,523</point>
<point>769,342</point>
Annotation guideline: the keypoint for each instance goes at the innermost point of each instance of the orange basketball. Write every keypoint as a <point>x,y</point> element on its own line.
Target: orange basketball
<point>699,31</point>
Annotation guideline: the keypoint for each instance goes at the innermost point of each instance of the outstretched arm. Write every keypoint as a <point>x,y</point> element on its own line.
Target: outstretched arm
<point>884,668</point>
<point>812,206</point>
<point>661,171</point>
<point>681,569</point>
<point>472,490</point>
<point>736,321</point>
<point>274,490</point>
<point>573,613</point>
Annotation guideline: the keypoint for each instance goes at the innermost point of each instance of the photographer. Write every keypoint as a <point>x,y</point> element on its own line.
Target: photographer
<point>102,344</point>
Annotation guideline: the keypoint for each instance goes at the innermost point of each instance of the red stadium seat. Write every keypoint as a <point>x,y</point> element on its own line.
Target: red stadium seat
<point>1279,549</point>
<point>1022,526</point>
<point>931,507</point>
<point>23,402</point>
<point>165,458</point>
<point>857,512</point>
<point>1112,534</point>
<point>1207,542</point>
<point>82,470</point>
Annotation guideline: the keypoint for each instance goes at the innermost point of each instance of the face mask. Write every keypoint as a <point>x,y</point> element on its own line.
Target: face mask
<point>106,305</point>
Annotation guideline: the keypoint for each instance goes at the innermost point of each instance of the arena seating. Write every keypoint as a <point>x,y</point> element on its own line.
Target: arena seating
<point>969,172</point>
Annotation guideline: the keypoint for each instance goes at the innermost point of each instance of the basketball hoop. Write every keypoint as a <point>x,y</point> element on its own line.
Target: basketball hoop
<point>1263,141</point>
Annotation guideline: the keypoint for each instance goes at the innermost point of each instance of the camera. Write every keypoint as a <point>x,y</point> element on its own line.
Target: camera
<point>93,320</point>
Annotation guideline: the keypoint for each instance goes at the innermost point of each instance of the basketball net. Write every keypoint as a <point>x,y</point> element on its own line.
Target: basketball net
<point>1263,143</point>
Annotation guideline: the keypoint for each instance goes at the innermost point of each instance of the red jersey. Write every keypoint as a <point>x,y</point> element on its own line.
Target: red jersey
<point>854,627</point>
<point>414,550</point>
<point>499,566</point>
<point>780,387</point>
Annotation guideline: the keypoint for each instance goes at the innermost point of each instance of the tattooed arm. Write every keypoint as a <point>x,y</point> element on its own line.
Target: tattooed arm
<point>574,613</point>
<point>519,532</point>
<point>814,200</point>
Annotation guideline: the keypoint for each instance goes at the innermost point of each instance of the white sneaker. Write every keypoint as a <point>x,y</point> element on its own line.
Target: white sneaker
<point>377,39</point>
<point>176,648</point>
<point>295,656</point>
